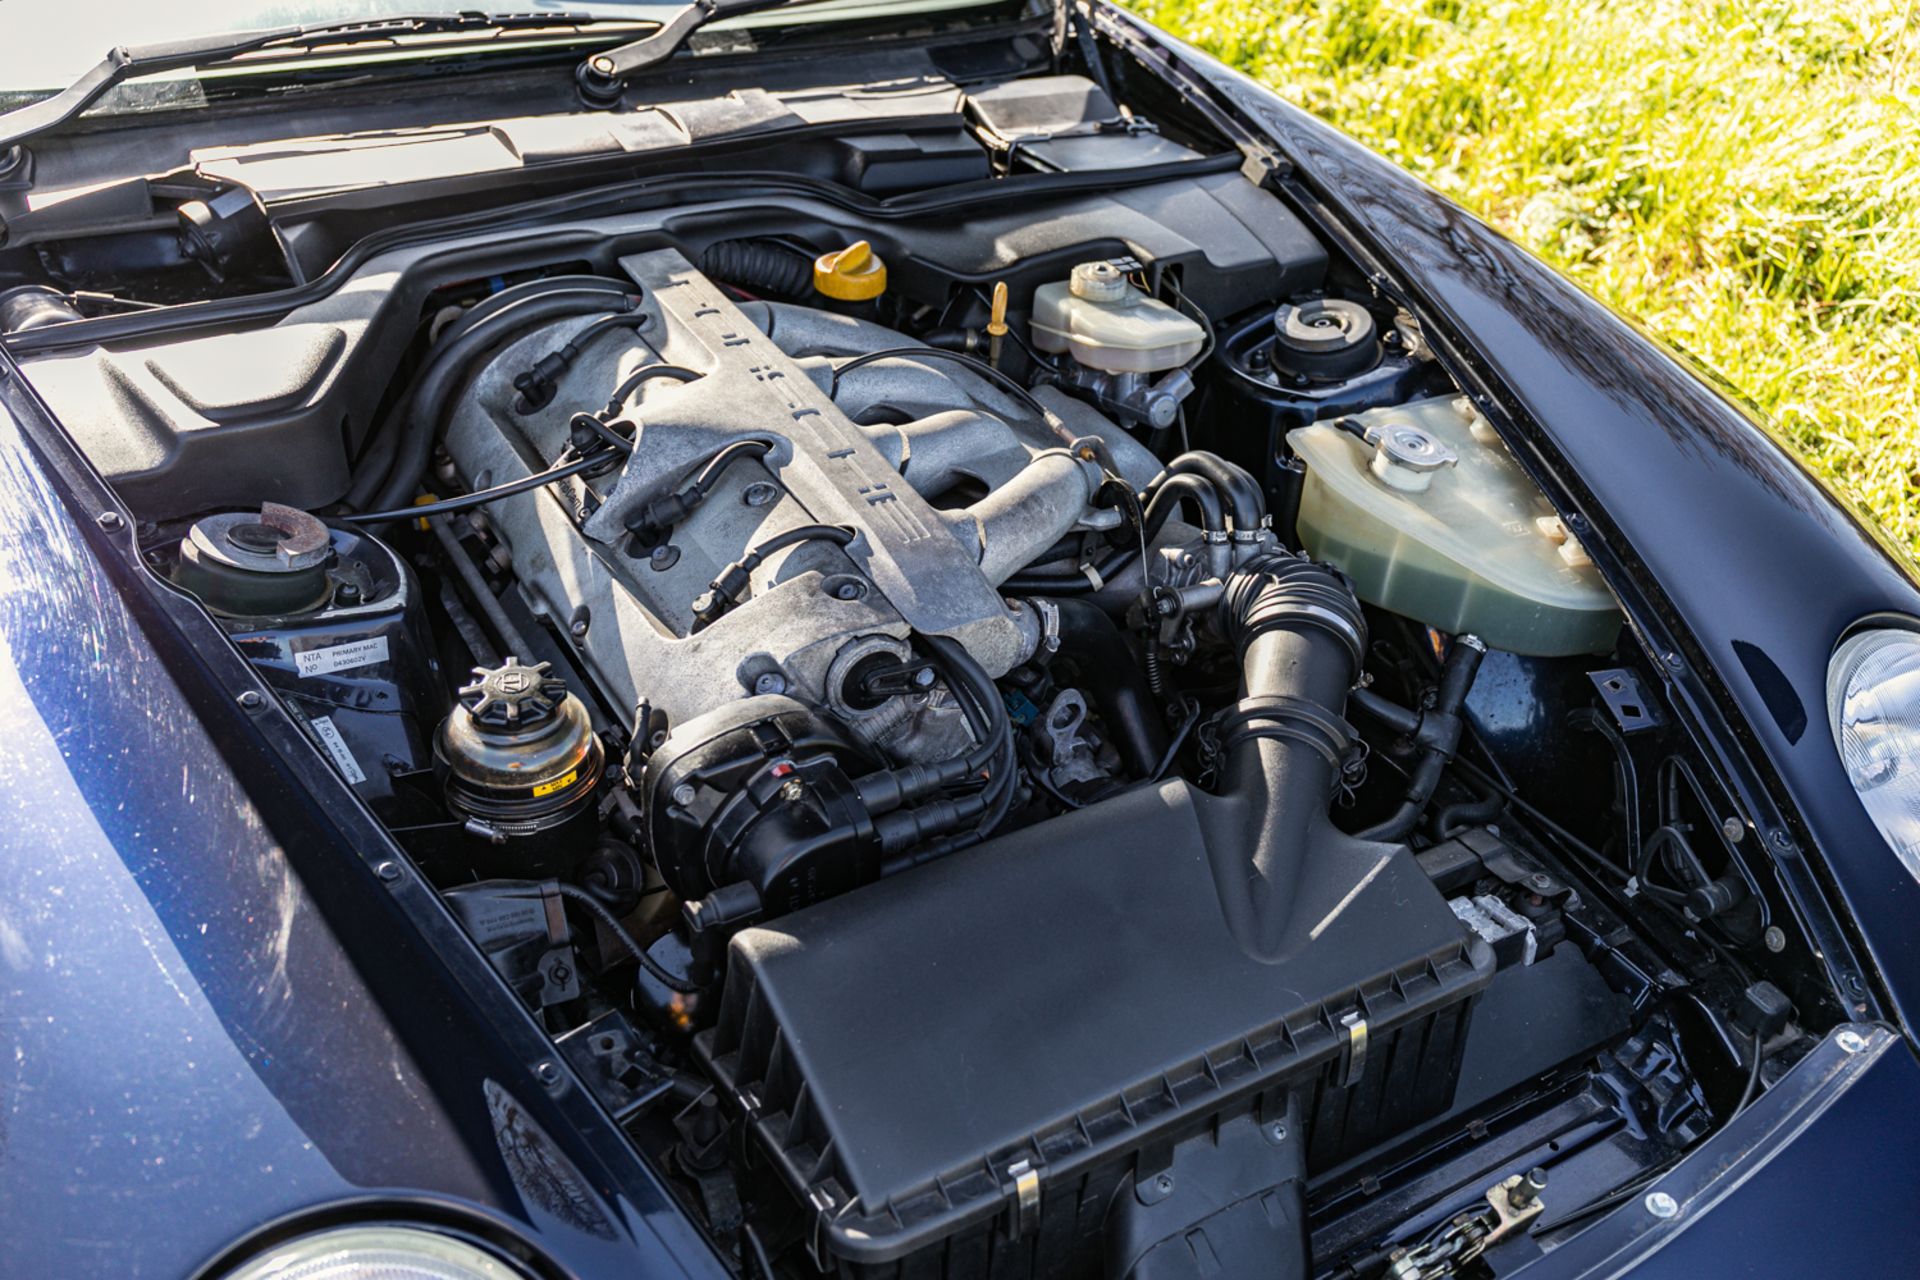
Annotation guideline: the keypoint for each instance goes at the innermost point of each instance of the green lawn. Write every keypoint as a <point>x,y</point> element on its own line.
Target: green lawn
<point>1744,177</point>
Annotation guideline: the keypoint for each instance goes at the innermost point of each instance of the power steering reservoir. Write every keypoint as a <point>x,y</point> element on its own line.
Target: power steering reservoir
<point>520,761</point>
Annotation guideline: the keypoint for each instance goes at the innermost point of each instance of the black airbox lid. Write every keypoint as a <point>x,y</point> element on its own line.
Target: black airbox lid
<point>912,1052</point>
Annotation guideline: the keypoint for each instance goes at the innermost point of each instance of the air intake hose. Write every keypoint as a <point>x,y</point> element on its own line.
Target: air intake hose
<point>1301,638</point>
<point>765,267</point>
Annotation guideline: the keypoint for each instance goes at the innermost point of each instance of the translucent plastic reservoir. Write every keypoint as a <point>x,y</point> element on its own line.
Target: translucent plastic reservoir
<point>1464,544</point>
<point>1105,323</point>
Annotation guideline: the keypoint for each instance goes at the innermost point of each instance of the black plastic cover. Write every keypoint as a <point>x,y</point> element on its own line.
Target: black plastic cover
<point>224,420</point>
<point>1068,124</point>
<point>1067,996</point>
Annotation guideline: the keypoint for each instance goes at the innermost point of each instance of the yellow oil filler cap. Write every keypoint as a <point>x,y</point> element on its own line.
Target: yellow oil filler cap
<point>852,274</point>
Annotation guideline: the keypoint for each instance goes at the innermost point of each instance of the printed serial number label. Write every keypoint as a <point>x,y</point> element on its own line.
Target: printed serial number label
<point>341,657</point>
<point>548,788</point>
<point>329,735</point>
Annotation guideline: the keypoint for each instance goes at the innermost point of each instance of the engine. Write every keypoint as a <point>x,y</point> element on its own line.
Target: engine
<point>817,546</point>
<point>809,509</point>
<point>971,726</point>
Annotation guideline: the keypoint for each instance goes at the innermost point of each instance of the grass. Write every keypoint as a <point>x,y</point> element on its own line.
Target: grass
<point>1743,176</point>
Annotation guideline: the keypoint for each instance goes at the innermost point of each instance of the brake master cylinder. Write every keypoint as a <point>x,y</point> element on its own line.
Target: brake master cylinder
<point>1118,337</point>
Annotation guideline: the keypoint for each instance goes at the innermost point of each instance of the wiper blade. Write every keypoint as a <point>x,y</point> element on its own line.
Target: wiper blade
<point>122,64</point>
<point>601,76</point>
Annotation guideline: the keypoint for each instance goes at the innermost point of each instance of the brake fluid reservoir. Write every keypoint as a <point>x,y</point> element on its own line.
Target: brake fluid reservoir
<point>1107,324</point>
<point>1431,517</point>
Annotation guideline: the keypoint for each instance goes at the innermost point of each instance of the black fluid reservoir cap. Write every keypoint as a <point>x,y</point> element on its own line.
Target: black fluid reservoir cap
<point>512,695</point>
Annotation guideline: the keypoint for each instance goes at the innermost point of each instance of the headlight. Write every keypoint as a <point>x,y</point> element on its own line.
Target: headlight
<point>375,1253</point>
<point>1873,704</point>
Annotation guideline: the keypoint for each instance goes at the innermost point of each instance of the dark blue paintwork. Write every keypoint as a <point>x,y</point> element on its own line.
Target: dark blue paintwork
<point>1813,1180</point>
<point>216,1015</point>
<point>219,1014</point>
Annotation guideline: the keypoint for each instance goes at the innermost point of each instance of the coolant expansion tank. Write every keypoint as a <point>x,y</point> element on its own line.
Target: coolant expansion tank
<point>1431,517</point>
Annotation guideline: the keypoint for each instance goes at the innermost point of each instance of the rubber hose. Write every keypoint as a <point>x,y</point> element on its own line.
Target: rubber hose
<point>378,458</point>
<point>1301,637</point>
<point>1191,487</point>
<point>447,370</point>
<point>1456,679</point>
<point>761,266</point>
<point>1242,495</point>
<point>494,303</point>
<point>1117,560</point>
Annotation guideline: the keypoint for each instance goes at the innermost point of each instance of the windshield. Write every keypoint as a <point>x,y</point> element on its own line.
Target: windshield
<point>47,44</point>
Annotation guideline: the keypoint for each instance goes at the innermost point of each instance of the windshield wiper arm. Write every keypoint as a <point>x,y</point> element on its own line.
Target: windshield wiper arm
<point>601,76</point>
<point>122,64</point>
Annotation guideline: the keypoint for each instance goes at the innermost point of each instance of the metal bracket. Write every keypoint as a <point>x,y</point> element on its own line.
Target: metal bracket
<point>1356,1024</point>
<point>1026,1197</point>
<point>1619,688</point>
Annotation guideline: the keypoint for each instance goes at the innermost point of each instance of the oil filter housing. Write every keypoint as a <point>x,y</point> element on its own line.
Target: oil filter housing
<point>520,763</point>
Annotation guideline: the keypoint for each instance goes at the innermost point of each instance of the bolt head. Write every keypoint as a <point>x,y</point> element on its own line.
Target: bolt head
<point>770,682</point>
<point>1662,1205</point>
<point>759,494</point>
<point>684,794</point>
<point>1733,829</point>
<point>388,871</point>
<point>1164,1182</point>
<point>547,1073</point>
<point>252,700</point>
<point>793,791</point>
<point>1851,1042</point>
<point>111,521</point>
<point>1775,938</point>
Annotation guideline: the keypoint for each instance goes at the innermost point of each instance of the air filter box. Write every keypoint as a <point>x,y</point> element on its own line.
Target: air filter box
<point>955,1068</point>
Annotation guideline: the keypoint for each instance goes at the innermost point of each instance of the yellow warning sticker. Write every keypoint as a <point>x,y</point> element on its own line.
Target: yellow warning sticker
<point>548,788</point>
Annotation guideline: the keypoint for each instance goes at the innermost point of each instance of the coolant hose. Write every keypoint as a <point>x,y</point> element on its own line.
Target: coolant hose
<point>413,428</point>
<point>1111,674</point>
<point>1301,637</point>
<point>1437,729</point>
<point>1187,486</point>
<point>377,462</point>
<point>1157,512</point>
<point>1234,484</point>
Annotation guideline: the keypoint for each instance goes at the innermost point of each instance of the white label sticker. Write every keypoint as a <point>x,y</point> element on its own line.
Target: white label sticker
<point>323,729</point>
<point>341,657</point>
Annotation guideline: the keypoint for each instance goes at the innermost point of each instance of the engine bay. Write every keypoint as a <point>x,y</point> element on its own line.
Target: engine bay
<point>1040,736</point>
